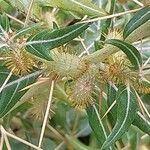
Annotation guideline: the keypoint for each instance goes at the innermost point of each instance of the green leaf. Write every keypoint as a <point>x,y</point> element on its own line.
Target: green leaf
<point>111,98</point>
<point>133,139</point>
<point>105,25</point>
<point>126,112</point>
<point>5,7</point>
<point>4,72</point>
<point>60,116</point>
<point>40,44</point>
<point>11,93</point>
<point>47,144</point>
<point>132,53</point>
<point>140,18</point>
<point>21,108</point>
<point>84,7</point>
<point>4,23</point>
<point>27,30</point>
<point>142,123</point>
<point>96,124</point>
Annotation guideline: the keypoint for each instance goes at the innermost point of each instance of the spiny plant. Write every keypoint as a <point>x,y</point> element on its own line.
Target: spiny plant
<point>74,74</point>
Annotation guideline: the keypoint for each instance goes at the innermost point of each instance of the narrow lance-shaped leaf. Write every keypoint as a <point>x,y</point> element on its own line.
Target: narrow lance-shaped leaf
<point>4,23</point>
<point>126,111</point>
<point>140,18</point>
<point>142,123</point>
<point>132,53</point>
<point>96,124</point>
<point>11,93</point>
<point>27,30</point>
<point>110,101</point>
<point>6,7</point>
<point>4,72</point>
<point>80,6</point>
<point>106,24</point>
<point>40,44</point>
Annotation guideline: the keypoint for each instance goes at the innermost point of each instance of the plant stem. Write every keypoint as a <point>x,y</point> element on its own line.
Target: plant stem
<point>110,16</point>
<point>2,141</point>
<point>139,3</point>
<point>56,132</point>
<point>15,19</point>
<point>19,139</point>
<point>46,114</point>
<point>28,14</point>
<point>5,138</point>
